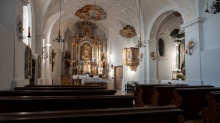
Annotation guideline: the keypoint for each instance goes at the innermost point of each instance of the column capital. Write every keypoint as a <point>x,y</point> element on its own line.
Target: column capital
<point>177,43</point>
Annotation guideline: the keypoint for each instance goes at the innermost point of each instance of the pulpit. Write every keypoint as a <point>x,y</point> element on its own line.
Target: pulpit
<point>66,79</point>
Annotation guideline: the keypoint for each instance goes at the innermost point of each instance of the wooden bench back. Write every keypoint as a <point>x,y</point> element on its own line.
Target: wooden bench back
<point>57,92</point>
<point>164,94</point>
<point>61,86</point>
<point>192,100</point>
<point>52,103</point>
<point>211,112</point>
<point>58,88</point>
<point>167,114</point>
<point>148,92</point>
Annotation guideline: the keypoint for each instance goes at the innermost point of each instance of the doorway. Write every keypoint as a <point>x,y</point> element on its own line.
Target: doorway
<point>118,75</point>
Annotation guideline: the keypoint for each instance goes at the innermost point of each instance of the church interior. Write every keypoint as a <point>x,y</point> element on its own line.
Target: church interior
<point>112,57</point>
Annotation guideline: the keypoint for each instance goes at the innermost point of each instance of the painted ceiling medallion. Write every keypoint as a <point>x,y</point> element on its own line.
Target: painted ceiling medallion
<point>128,32</point>
<point>91,12</point>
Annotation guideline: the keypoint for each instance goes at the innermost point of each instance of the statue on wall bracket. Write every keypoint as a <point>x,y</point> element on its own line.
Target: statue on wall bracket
<point>191,46</point>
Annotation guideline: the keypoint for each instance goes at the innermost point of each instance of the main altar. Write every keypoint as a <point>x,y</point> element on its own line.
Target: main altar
<point>85,55</point>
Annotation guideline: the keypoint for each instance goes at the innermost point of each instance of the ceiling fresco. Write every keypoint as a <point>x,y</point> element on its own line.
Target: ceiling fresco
<point>91,12</point>
<point>111,10</point>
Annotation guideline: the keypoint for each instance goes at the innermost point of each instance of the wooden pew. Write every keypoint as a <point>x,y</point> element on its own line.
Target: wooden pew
<point>191,100</point>
<point>56,92</point>
<point>164,94</point>
<point>58,88</point>
<point>61,86</point>
<point>144,93</point>
<point>167,114</point>
<point>211,113</point>
<point>52,103</point>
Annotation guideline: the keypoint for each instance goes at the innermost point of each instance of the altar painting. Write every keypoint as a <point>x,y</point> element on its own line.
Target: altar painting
<point>86,52</point>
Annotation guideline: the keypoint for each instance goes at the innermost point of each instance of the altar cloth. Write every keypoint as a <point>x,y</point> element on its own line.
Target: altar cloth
<point>94,80</point>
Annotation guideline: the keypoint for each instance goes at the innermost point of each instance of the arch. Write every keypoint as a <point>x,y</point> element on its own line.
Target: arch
<point>161,13</point>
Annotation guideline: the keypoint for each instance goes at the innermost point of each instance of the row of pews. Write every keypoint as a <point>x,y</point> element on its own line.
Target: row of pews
<point>81,103</point>
<point>198,102</point>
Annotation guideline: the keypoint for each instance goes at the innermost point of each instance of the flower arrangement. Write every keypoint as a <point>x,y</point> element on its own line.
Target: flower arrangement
<point>178,76</point>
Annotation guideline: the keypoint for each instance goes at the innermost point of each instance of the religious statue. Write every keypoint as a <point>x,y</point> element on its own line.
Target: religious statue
<point>79,70</point>
<point>53,58</point>
<point>87,66</point>
<point>183,69</point>
<point>100,70</point>
<point>93,71</point>
<point>100,64</point>
<point>71,62</point>
<point>67,57</point>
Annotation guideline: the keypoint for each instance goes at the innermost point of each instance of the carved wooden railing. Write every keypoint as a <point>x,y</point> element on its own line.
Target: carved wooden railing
<point>177,99</point>
<point>211,114</point>
<point>155,97</point>
<point>138,93</point>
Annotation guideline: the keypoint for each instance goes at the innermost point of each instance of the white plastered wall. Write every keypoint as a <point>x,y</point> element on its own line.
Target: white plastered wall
<point>210,51</point>
<point>12,50</point>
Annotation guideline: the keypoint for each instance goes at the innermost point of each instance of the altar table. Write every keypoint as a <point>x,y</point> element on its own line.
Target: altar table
<point>85,79</point>
<point>100,82</point>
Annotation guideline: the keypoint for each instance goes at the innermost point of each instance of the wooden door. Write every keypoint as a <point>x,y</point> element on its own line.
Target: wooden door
<point>118,70</point>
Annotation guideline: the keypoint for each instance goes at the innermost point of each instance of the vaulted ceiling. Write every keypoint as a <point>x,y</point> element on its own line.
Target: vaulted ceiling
<point>118,12</point>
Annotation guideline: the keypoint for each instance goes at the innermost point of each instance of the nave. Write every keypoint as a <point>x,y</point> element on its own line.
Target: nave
<point>109,61</point>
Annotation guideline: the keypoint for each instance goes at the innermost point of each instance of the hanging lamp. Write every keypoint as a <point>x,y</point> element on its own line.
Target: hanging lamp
<point>140,44</point>
<point>59,38</point>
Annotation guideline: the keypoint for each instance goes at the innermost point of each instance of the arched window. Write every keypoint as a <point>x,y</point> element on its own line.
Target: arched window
<point>27,24</point>
<point>161,45</point>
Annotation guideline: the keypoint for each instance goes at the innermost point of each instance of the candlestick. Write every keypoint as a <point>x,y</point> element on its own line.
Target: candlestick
<point>29,36</point>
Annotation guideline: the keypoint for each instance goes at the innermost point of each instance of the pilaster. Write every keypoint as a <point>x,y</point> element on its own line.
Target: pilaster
<point>194,31</point>
<point>152,64</point>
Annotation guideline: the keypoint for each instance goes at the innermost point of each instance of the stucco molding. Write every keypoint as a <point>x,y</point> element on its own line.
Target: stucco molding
<point>193,22</point>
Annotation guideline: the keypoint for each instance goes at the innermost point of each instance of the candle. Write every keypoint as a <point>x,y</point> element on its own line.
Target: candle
<point>28,31</point>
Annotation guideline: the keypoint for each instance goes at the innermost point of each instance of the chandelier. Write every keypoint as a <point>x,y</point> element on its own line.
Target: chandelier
<point>59,38</point>
<point>215,8</point>
<point>140,44</point>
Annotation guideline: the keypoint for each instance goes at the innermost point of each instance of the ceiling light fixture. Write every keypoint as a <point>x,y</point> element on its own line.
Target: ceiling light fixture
<point>140,44</point>
<point>215,8</point>
<point>59,38</point>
